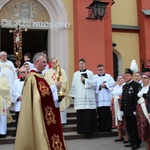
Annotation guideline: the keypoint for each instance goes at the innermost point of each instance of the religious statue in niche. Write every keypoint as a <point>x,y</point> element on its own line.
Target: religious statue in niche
<point>24,10</point>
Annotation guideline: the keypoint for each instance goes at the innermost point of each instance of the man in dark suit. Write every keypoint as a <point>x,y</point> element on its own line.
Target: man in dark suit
<point>128,105</point>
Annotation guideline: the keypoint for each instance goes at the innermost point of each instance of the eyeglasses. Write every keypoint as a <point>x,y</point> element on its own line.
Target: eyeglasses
<point>144,77</point>
<point>22,72</point>
<point>100,69</point>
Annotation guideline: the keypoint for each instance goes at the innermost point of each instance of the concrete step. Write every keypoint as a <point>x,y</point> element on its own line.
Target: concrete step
<point>69,130</point>
<point>75,135</point>
<point>67,136</point>
<point>7,140</point>
<point>65,128</point>
<point>71,114</point>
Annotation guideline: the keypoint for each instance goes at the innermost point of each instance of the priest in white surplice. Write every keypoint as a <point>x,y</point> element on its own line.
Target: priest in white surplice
<point>5,103</point>
<point>82,91</point>
<point>103,88</point>
<point>8,70</point>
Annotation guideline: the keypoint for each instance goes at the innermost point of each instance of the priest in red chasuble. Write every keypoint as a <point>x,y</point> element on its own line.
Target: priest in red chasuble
<point>39,126</point>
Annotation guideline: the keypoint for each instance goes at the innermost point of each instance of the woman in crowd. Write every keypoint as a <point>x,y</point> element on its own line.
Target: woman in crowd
<point>143,120</point>
<point>117,116</point>
<point>26,65</point>
<point>138,77</point>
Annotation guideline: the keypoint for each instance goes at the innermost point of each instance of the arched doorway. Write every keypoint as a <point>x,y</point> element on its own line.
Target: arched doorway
<point>115,64</point>
<point>57,37</point>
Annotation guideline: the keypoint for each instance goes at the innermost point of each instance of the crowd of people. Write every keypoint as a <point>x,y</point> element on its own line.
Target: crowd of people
<point>35,102</point>
<point>103,104</point>
<point>32,91</point>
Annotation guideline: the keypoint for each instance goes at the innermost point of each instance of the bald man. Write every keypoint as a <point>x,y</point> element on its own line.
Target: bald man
<point>8,70</point>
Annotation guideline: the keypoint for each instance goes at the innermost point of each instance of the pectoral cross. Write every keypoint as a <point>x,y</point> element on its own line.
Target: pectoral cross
<point>4,110</point>
<point>53,76</point>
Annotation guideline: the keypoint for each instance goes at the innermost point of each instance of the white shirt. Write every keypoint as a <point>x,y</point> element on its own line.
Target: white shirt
<point>104,96</point>
<point>16,92</point>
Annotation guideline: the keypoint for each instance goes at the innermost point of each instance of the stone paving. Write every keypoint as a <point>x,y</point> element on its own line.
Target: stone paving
<point>103,143</point>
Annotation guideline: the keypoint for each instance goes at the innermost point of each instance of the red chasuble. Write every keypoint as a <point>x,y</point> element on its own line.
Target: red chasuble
<point>51,115</point>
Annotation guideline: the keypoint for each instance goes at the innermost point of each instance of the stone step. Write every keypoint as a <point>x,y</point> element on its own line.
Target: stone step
<point>75,135</point>
<point>7,140</point>
<point>70,120</point>
<point>70,113</point>
<point>67,136</point>
<point>65,128</point>
<point>12,124</point>
<point>10,131</point>
<point>69,128</point>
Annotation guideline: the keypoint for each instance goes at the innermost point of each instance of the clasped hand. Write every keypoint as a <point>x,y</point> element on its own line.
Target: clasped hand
<point>103,85</point>
<point>82,78</point>
<point>58,85</point>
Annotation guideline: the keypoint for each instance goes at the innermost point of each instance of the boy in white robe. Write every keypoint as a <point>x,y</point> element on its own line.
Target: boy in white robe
<point>17,93</point>
<point>103,87</point>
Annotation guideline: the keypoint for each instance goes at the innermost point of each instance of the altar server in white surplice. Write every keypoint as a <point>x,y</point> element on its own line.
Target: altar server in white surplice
<point>5,103</point>
<point>8,70</point>
<point>103,88</point>
<point>17,93</point>
<point>82,91</point>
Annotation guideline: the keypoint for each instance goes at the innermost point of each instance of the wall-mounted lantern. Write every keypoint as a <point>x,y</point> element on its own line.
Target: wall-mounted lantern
<point>97,10</point>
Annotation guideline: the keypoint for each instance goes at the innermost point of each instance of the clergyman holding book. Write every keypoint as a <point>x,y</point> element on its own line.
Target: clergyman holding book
<point>82,91</point>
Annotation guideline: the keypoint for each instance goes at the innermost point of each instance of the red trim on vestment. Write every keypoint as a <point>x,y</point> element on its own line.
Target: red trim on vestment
<point>51,115</point>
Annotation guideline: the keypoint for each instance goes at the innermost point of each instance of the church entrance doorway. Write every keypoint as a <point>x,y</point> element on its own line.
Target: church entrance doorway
<point>33,41</point>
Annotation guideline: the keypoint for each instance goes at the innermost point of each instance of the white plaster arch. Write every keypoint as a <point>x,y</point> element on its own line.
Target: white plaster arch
<point>57,37</point>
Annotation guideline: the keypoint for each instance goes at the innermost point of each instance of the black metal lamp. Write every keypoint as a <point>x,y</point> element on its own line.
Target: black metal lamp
<point>97,10</point>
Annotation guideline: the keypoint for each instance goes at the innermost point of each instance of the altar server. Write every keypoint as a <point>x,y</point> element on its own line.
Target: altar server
<point>103,87</point>
<point>17,93</point>
<point>82,91</point>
